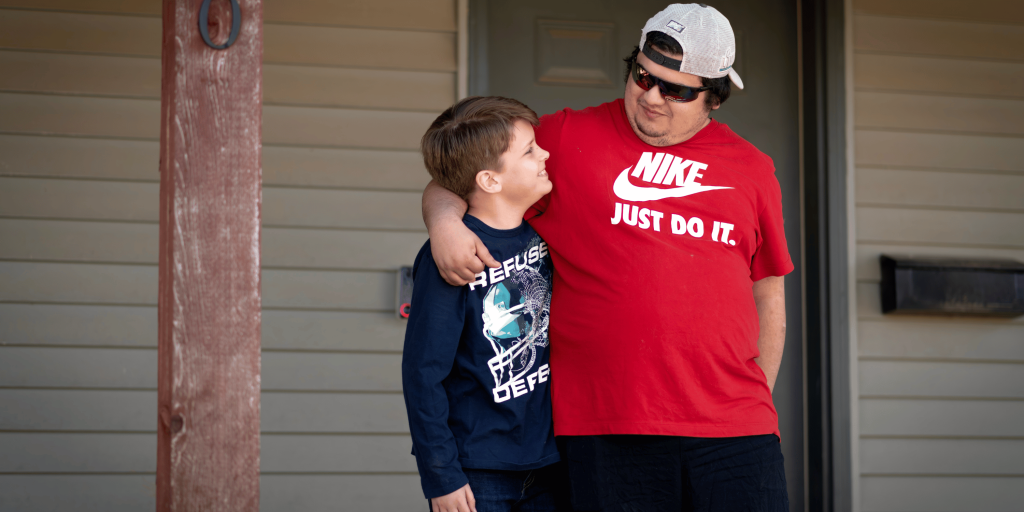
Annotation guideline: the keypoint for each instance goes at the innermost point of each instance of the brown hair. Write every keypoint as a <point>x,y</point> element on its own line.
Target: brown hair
<point>469,137</point>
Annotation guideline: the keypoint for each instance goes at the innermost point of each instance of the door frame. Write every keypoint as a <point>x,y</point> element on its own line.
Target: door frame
<point>827,290</point>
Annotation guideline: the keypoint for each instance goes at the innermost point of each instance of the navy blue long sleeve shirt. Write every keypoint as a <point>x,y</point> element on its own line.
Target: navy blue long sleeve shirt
<point>475,367</point>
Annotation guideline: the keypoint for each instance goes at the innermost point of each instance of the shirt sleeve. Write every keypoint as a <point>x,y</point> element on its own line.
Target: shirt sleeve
<point>436,320</point>
<point>772,255</point>
<point>549,136</point>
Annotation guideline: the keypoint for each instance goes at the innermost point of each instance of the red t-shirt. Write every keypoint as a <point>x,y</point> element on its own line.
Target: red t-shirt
<point>653,323</point>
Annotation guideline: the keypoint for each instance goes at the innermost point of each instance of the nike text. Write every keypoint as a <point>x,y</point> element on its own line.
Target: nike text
<point>663,169</point>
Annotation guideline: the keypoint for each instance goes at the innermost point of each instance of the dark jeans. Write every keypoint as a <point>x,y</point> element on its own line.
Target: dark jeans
<point>673,474</point>
<point>539,490</point>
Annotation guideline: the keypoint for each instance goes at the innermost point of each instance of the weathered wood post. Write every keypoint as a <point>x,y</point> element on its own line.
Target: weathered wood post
<point>209,300</point>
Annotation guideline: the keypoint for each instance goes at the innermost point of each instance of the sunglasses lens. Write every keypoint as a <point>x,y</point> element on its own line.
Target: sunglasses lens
<point>668,90</point>
<point>642,78</point>
<point>683,94</point>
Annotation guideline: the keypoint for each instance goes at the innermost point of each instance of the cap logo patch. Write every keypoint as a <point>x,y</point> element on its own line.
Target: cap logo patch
<point>674,25</point>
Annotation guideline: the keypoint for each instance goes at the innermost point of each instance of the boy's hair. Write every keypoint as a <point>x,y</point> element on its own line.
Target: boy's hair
<point>469,137</point>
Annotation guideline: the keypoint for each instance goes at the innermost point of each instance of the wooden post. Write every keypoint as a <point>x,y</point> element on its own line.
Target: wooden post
<point>209,298</point>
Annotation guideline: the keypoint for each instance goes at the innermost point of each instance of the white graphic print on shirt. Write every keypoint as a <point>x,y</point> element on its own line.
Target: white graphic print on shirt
<point>515,321</point>
<point>664,169</point>
<point>661,168</point>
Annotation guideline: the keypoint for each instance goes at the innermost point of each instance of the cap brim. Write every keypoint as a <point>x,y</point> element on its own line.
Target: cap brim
<point>735,77</point>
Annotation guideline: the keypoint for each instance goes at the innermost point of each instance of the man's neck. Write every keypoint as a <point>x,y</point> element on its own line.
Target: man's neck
<point>496,212</point>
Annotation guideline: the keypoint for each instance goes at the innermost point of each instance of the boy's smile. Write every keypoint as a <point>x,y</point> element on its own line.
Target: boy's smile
<point>523,176</point>
<point>504,194</point>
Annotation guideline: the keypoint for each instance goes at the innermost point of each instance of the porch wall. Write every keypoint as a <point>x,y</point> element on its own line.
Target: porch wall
<point>349,87</point>
<point>939,170</point>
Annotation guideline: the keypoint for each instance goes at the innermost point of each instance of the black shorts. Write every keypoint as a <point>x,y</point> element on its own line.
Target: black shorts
<point>623,473</point>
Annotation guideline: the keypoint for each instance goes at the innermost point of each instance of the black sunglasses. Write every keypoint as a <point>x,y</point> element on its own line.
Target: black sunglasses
<point>670,91</point>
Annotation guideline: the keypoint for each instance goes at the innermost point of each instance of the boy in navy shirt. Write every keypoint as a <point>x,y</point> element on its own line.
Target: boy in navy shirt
<point>475,367</point>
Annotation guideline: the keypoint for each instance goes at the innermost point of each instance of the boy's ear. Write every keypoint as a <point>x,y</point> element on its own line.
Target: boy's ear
<point>488,181</point>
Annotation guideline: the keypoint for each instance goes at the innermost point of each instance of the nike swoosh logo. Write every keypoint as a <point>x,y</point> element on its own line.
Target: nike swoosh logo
<point>630,192</point>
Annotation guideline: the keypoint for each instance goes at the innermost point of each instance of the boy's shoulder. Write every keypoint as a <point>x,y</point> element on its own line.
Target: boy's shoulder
<point>504,246</point>
<point>426,275</point>
<point>435,304</point>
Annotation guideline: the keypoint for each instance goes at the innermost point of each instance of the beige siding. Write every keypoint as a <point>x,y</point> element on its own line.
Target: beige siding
<point>136,453</point>
<point>349,88</point>
<point>331,415</point>
<point>946,494</point>
<point>132,160</point>
<point>104,34</point>
<point>133,326</point>
<point>939,170</point>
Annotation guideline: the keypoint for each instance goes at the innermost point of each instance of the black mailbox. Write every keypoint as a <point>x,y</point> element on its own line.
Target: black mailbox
<point>951,286</point>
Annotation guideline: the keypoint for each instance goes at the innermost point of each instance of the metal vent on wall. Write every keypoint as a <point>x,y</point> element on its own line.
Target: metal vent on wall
<point>952,286</point>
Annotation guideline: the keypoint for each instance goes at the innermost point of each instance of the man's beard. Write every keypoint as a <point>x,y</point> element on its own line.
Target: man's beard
<point>645,128</point>
<point>648,130</point>
<point>660,137</point>
<point>648,133</point>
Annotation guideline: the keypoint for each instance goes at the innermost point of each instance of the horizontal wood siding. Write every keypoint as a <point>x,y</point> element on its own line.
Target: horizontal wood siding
<point>139,77</point>
<point>942,494</point>
<point>102,326</point>
<point>135,160</point>
<point>283,125</point>
<point>331,46</point>
<point>313,493</point>
<point>85,492</point>
<point>326,492</point>
<point>131,368</point>
<point>418,15</point>
<point>349,88</point>
<point>939,189</point>
<point>923,340</point>
<point>128,201</point>
<point>79,452</point>
<point>118,410</point>
<point>939,171</point>
<point>945,419</point>
<point>991,11</point>
<point>908,111</point>
<point>111,284</point>
<point>956,457</point>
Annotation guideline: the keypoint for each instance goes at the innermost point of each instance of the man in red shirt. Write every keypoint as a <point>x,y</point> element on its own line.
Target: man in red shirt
<point>668,310</point>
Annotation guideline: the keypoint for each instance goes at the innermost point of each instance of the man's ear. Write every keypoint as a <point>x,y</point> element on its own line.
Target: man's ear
<point>488,181</point>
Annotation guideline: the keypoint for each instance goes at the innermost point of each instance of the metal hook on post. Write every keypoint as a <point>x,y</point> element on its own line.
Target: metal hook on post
<point>204,28</point>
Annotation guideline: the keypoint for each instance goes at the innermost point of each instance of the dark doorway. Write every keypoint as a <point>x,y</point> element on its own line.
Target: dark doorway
<point>553,54</point>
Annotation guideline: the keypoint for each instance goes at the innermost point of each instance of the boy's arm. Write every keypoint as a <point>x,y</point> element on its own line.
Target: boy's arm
<point>458,253</point>
<point>432,336</point>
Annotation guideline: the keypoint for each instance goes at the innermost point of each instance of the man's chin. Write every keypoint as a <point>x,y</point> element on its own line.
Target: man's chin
<point>648,130</point>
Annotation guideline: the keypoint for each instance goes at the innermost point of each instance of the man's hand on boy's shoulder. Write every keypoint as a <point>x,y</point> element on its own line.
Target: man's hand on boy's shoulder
<point>461,500</point>
<point>458,253</point>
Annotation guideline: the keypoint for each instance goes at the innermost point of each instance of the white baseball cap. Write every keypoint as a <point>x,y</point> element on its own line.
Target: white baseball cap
<point>709,45</point>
